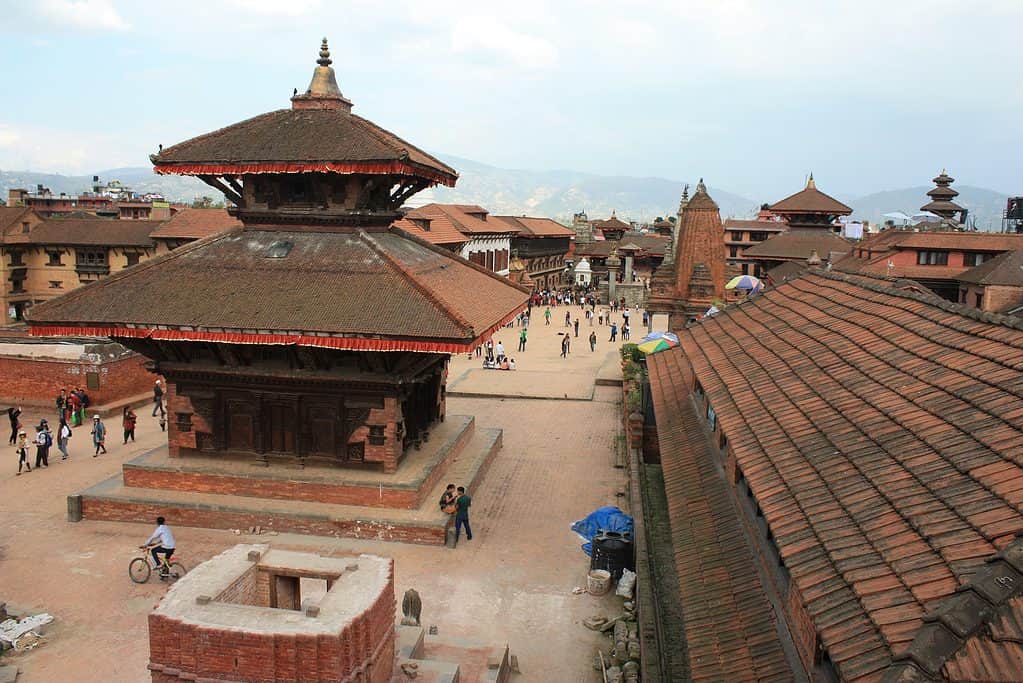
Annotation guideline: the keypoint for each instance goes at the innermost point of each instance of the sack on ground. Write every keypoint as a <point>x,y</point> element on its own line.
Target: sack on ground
<point>626,584</point>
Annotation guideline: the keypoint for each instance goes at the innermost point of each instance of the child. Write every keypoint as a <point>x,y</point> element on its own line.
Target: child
<point>21,448</point>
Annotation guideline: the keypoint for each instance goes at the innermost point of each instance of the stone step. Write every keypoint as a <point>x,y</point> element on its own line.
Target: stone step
<point>112,500</point>
<point>419,472</point>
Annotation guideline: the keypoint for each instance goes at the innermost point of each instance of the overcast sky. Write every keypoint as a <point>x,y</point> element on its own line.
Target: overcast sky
<point>751,94</point>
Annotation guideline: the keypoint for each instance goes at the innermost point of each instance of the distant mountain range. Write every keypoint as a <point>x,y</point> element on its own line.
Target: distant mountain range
<point>557,194</point>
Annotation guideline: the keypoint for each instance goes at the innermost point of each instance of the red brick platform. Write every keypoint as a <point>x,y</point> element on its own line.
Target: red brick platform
<point>395,507</point>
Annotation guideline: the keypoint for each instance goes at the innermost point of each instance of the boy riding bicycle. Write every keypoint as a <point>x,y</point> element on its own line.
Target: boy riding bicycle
<point>165,546</point>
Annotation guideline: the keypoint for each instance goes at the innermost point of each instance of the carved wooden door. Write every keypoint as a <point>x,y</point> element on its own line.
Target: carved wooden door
<point>241,425</point>
<point>323,421</point>
<point>280,427</point>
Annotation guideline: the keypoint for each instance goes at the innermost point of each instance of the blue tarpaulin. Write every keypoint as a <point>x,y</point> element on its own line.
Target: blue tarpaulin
<point>608,518</point>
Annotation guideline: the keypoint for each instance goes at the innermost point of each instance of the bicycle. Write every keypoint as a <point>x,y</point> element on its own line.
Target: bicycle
<point>141,567</point>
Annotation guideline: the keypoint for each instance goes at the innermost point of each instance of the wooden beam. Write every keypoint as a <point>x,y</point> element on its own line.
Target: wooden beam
<point>219,184</point>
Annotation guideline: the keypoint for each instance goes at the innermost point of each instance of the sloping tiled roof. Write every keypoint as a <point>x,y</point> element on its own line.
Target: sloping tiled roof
<point>462,219</point>
<point>196,224</point>
<point>385,291</point>
<point>798,244</point>
<point>1005,269</point>
<point>440,229</point>
<point>612,223</point>
<point>811,200</point>
<point>529,226</point>
<point>961,241</point>
<point>327,139</point>
<point>881,434</point>
<point>785,271</point>
<point>73,232</point>
<point>762,226</point>
<point>729,624</point>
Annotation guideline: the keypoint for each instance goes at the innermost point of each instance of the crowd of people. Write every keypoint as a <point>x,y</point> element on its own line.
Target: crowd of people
<point>71,407</point>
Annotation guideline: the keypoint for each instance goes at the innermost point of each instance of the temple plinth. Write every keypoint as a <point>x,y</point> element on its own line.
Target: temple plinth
<point>316,333</point>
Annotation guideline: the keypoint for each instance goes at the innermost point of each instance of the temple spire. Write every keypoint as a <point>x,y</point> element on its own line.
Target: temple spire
<point>810,184</point>
<point>323,91</point>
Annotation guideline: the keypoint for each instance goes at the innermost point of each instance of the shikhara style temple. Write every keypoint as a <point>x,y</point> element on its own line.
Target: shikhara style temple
<point>315,331</point>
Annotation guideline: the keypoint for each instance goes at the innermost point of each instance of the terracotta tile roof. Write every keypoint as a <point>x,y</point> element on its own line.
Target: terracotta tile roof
<point>304,137</point>
<point>960,241</point>
<point>650,244</point>
<point>975,634</point>
<point>730,626</point>
<point>436,229</point>
<point>73,232</point>
<point>345,285</point>
<point>462,218</point>
<point>196,224</point>
<point>762,226</point>
<point>798,244</point>
<point>1005,269</point>
<point>880,432</point>
<point>810,200</point>
<point>612,223</point>
<point>529,226</point>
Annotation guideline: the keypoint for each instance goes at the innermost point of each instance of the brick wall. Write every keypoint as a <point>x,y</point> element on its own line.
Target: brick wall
<point>365,648</point>
<point>1000,298</point>
<point>243,590</point>
<point>214,518</point>
<point>37,381</point>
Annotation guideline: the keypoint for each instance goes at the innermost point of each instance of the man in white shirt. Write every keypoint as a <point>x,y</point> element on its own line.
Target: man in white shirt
<point>500,352</point>
<point>166,543</point>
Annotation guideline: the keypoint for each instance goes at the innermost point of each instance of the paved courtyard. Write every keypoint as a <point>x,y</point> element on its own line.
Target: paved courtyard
<point>512,583</point>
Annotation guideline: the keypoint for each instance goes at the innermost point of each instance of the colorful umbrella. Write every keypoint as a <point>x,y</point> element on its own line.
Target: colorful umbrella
<point>671,337</point>
<point>746,282</point>
<point>654,346</point>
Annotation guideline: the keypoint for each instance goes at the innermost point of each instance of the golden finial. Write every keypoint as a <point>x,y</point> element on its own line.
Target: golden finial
<point>324,59</point>
<point>810,185</point>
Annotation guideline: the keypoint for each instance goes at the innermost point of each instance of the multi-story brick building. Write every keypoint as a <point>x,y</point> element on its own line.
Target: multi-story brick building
<point>935,259</point>
<point>742,234</point>
<point>542,244</point>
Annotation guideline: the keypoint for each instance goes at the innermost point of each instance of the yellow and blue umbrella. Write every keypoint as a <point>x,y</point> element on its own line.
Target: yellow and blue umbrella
<point>745,282</point>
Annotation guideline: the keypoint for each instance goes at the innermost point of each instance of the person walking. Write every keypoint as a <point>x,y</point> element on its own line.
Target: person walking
<point>12,414</point>
<point>625,331</point>
<point>99,435</point>
<point>63,434</point>
<point>576,324</point>
<point>128,420</point>
<point>566,342</point>
<point>614,332</point>
<point>522,340</point>
<point>593,341</point>
<point>61,403</point>
<point>21,448</point>
<point>547,316</point>
<point>568,319</point>
<point>43,441</point>
<point>462,504</point>
<point>157,398</point>
<point>75,405</point>
<point>500,352</point>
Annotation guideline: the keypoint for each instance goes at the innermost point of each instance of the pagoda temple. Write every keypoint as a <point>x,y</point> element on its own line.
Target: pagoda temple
<point>314,332</point>
<point>812,217</point>
<point>688,284</point>
<point>943,200</point>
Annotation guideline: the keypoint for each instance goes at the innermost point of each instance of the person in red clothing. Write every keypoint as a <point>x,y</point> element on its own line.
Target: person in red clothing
<point>128,420</point>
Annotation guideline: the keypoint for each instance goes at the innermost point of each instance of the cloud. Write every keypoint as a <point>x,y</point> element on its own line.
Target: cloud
<point>8,136</point>
<point>482,34</point>
<point>288,8</point>
<point>86,14</point>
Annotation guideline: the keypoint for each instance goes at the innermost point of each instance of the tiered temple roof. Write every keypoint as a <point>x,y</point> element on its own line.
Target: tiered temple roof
<point>942,198</point>
<point>317,262</point>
